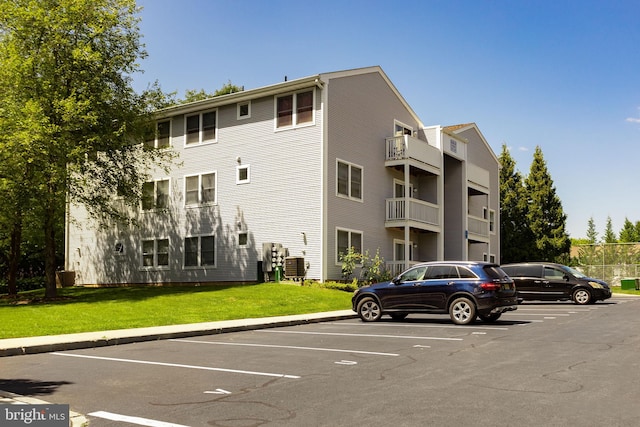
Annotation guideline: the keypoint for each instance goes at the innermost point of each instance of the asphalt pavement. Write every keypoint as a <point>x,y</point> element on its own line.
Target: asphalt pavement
<point>45,344</point>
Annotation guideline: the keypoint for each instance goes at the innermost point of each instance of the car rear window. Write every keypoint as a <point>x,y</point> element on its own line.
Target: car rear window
<point>494,272</point>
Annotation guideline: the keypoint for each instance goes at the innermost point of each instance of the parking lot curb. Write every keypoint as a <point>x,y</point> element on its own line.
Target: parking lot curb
<point>46,344</point>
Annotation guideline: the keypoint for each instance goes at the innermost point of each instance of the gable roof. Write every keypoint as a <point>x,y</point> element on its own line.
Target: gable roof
<point>457,129</point>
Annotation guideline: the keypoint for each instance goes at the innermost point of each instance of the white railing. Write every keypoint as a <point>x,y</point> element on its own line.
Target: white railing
<point>408,147</point>
<point>419,210</point>
<point>397,267</point>
<point>478,226</point>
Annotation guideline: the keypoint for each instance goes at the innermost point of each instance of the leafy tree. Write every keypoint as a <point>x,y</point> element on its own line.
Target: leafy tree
<point>545,214</point>
<point>228,88</point>
<point>515,234</point>
<point>76,125</point>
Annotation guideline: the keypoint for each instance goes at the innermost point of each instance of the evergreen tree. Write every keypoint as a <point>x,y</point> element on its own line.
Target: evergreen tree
<point>628,232</point>
<point>516,239</point>
<point>545,214</point>
<point>609,234</point>
<point>592,234</point>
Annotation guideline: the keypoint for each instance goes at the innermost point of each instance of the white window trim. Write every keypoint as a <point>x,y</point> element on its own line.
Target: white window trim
<point>155,265</point>
<point>295,110</point>
<point>246,245</point>
<point>200,123</point>
<point>349,196</point>
<point>397,181</point>
<point>200,203</point>
<point>401,242</point>
<point>243,181</point>
<point>350,231</point>
<point>200,266</point>
<point>404,126</point>
<point>155,136</point>
<point>248,116</point>
<point>155,208</point>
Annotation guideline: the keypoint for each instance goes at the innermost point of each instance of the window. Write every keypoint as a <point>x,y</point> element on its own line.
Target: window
<point>243,174</point>
<point>244,110</point>
<point>155,253</point>
<point>243,238</point>
<point>349,180</point>
<point>402,129</point>
<point>155,195</point>
<point>162,135</point>
<point>200,189</point>
<point>346,239</point>
<point>294,108</point>
<point>199,251</point>
<point>200,128</point>
<point>492,221</point>
<point>398,250</point>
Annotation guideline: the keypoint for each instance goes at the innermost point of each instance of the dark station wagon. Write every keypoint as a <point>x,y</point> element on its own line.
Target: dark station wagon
<point>463,289</point>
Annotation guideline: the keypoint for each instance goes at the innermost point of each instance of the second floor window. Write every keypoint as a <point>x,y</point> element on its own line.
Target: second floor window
<point>349,180</point>
<point>155,195</point>
<point>200,128</point>
<point>200,189</point>
<point>294,109</point>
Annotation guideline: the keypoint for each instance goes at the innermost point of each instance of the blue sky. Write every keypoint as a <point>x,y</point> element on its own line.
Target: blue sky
<point>564,75</point>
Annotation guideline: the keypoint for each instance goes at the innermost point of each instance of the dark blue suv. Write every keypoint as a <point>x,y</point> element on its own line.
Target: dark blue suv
<point>463,289</point>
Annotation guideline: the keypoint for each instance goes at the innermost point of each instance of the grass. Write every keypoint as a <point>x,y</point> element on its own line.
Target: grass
<point>98,309</point>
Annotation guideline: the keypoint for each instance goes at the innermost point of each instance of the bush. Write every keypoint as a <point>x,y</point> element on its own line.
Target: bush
<point>24,284</point>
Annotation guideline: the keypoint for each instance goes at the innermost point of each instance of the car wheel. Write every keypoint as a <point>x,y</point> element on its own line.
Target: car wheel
<point>398,316</point>
<point>581,296</point>
<point>369,310</point>
<point>462,311</point>
<point>490,318</point>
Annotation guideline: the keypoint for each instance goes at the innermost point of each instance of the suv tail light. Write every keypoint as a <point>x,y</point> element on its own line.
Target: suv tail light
<point>490,286</point>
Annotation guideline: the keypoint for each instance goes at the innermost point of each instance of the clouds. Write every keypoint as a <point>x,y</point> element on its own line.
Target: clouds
<point>633,119</point>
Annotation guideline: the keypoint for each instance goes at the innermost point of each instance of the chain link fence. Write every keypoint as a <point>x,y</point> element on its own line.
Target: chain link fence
<point>610,262</point>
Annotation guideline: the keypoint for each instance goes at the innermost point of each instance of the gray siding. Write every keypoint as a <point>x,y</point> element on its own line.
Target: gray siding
<point>361,114</point>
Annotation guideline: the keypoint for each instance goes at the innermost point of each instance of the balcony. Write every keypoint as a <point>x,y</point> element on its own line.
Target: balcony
<point>478,228</point>
<point>405,147</point>
<point>421,214</point>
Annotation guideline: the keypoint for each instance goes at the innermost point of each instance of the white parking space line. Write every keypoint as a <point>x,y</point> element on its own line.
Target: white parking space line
<point>539,314</point>
<point>292,347</point>
<point>177,365</point>
<point>133,420</point>
<point>556,309</point>
<point>414,325</point>
<point>361,335</point>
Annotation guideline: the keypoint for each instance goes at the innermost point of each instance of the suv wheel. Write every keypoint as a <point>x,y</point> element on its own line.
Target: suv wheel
<point>462,311</point>
<point>369,310</point>
<point>581,296</point>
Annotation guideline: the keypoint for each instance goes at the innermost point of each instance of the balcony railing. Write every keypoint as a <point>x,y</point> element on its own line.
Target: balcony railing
<point>397,267</point>
<point>418,210</point>
<point>408,147</point>
<point>478,226</point>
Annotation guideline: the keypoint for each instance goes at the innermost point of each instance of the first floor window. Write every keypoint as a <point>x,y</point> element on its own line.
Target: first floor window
<point>155,253</point>
<point>199,251</point>
<point>348,239</point>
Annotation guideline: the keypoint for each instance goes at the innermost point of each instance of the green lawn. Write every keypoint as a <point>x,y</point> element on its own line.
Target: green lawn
<point>98,309</point>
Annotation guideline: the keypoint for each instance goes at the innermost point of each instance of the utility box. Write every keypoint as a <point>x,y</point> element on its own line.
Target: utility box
<point>294,267</point>
<point>630,284</point>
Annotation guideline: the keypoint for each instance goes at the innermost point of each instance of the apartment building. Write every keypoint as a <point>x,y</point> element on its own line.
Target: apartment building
<point>308,167</point>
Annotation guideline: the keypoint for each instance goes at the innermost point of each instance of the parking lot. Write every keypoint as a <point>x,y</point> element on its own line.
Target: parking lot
<point>544,364</point>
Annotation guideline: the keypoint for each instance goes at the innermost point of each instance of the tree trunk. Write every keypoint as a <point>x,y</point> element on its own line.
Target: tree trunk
<point>14,254</point>
<point>50,251</point>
